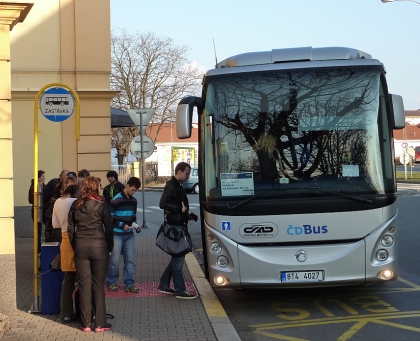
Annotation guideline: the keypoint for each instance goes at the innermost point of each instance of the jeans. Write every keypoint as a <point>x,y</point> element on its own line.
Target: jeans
<point>126,244</point>
<point>174,270</point>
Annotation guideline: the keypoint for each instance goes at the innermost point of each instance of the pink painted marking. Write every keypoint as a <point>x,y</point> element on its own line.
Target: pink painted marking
<point>146,290</point>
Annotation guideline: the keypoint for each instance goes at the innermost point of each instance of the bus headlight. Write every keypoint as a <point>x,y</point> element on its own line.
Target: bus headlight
<point>386,274</point>
<point>387,240</point>
<point>215,248</point>
<point>382,255</point>
<point>220,280</point>
<point>222,261</point>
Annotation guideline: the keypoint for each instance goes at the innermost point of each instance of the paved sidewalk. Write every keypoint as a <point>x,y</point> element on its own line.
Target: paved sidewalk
<point>147,315</point>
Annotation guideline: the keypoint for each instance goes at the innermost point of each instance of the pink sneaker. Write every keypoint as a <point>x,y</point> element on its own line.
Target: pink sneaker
<point>108,326</point>
<point>85,329</point>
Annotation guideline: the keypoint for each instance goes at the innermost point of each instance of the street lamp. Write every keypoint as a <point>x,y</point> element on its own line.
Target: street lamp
<point>385,1</point>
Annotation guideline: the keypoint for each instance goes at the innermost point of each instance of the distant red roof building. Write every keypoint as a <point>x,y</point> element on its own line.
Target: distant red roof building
<point>167,133</point>
<point>410,134</point>
<point>411,130</point>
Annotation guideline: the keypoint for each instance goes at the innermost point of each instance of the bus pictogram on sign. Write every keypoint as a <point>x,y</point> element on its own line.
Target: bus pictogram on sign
<point>57,100</point>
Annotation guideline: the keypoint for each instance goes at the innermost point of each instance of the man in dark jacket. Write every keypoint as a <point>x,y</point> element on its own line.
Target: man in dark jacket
<point>174,202</point>
<point>52,184</point>
<point>114,186</point>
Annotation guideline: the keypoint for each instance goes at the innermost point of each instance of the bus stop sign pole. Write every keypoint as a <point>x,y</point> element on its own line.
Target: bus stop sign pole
<point>57,102</point>
<point>141,118</point>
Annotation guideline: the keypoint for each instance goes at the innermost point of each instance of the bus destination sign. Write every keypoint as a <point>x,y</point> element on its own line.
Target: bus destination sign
<point>235,184</point>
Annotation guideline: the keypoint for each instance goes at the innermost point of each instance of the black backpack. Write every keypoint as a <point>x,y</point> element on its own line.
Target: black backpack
<point>51,234</point>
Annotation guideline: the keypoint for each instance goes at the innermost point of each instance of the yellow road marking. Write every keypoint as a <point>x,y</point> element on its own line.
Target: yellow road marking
<point>326,312</point>
<point>378,316</point>
<point>360,320</point>
<point>397,325</point>
<point>334,320</point>
<point>413,285</point>
<point>353,330</point>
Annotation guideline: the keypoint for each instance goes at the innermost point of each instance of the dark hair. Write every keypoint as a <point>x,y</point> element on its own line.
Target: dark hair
<point>90,187</point>
<point>133,181</point>
<point>57,188</point>
<point>181,167</point>
<point>40,172</point>
<point>83,173</point>
<point>112,173</point>
<point>72,174</point>
<point>70,186</point>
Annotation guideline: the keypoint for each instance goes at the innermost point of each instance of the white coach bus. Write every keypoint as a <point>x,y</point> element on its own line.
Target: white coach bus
<point>296,168</point>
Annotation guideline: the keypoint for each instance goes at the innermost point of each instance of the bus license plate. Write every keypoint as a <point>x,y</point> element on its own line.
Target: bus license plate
<point>302,276</point>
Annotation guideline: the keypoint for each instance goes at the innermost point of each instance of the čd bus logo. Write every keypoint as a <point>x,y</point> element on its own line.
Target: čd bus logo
<point>265,230</point>
<point>306,229</point>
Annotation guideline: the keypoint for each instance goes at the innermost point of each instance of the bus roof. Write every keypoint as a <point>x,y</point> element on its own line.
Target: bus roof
<point>293,55</point>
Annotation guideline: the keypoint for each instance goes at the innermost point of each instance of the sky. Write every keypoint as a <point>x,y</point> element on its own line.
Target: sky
<point>389,32</point>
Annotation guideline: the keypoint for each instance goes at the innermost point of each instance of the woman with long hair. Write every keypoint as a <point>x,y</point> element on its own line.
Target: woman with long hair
<point>90,231</point>
<point>60,222</point>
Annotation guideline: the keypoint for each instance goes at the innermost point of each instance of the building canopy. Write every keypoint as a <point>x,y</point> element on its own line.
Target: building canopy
<point>120,118</point>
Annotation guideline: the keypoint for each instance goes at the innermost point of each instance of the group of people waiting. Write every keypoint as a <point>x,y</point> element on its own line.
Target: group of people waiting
<point>94,230</point>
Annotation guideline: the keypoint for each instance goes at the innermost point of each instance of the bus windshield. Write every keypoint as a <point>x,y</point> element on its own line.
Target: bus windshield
<point>296,134</point>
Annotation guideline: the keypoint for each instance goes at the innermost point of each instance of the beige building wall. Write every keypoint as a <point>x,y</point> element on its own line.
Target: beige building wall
<point>10,15</point>
<point>65,41</point>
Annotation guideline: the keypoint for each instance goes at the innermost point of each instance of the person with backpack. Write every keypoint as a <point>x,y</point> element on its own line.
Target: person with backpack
<point>114,186</point>
<point>41,204</point>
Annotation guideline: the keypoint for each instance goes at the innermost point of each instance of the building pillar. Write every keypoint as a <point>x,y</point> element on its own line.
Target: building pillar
<point>10,14</point>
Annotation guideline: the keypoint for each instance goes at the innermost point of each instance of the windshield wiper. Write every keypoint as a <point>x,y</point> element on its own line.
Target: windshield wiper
<point>351,197</point>
<point>242,203</point>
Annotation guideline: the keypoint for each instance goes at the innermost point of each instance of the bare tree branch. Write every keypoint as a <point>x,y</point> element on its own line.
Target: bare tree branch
<point>150,72</point>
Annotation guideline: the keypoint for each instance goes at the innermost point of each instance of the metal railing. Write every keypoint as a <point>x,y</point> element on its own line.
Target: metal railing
<point>124,172</point>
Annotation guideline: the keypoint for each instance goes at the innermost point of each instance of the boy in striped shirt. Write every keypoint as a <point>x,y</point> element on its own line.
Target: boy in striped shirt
<point>124,216</point>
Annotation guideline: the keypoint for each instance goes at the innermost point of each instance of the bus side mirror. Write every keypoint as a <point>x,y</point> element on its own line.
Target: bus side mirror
<point>184,114</point>
<point>398,109</point>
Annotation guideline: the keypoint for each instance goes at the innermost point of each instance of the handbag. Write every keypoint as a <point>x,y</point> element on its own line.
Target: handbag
<point>172,242</point>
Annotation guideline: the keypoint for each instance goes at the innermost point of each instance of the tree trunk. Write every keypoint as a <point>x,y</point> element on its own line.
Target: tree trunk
<point>120,158</point>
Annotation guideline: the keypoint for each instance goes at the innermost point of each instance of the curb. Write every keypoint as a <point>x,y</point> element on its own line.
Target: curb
<point>406,191</point>
<point>151,189</point>
<point>222,327</point>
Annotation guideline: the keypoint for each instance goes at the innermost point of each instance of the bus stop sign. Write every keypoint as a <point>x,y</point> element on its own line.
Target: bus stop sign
<point>57,104</point>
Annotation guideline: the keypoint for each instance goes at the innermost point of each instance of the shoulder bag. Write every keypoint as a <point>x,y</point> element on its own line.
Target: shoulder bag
<point>172,242</point>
